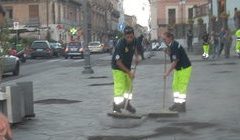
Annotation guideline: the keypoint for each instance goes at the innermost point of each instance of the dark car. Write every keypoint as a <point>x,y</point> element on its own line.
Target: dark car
<point>41,48</point>
<point>57,49</point>
<point>10,64</point>
<point>74,49</point>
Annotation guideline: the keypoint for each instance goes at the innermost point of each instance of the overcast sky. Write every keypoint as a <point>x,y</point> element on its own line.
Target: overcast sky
<point>139,8</point>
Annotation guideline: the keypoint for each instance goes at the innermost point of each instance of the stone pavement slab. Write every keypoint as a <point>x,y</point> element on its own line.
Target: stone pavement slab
<point>212,104</point>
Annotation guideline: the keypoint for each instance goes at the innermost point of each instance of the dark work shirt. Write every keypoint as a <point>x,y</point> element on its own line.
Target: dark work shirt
<point>177,53</point>
<point>124,52</point>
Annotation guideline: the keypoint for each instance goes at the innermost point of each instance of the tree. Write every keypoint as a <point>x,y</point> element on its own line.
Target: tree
<point>4,39</point>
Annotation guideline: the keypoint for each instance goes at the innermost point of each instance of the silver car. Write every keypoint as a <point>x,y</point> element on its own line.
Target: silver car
<point>96,47</point>
<point>10,64</point>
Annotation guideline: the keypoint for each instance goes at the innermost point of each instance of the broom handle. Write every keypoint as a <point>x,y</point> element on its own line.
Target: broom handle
<point>126,103</point>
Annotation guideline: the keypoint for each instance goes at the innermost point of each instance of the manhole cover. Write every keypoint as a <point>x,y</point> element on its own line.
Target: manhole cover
<point>100,84</point>
<point>97,77</point>
<point>195,125</point>
<point>227,63</point>
<point>223,72</point>
<point>230,63</point>
<point>56,101</point>
<point>113,138</point>
<point>171,131</point>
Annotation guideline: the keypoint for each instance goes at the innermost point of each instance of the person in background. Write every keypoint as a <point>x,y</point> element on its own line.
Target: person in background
<point>215,43</point>
<point>221,40</point>
<point>227,43</point>
<point>236,22</point>
<point>237,48</point>
<point>189,40</point>
<point>140,45</point>
<point>205,46</point>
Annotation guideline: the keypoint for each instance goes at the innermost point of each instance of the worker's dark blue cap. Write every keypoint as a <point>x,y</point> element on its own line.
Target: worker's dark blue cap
<point>128,30</point>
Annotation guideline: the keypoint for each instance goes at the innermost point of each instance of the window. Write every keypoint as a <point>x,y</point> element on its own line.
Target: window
<point>33,15</point>
<point>33,11</point>
<point>9,12</point>
<point>221,6</point>
<point>190,13</point>
<point>172,16</point>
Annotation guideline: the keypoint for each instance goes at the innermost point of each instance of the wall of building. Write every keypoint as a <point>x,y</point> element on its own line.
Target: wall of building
<point>160,17</point>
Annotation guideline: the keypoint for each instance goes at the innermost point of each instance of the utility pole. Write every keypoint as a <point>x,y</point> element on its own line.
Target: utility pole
<point>47,5</point>
<point>210,14</point>
<point>87,68</point>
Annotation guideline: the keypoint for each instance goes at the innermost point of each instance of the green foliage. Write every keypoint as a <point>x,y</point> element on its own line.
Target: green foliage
<point>4,40</point>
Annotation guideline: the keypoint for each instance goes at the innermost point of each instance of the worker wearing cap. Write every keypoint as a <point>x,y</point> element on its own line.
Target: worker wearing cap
<point>121,69</point>
<point>182,68</point>
<point>238,42</point>
<point>205,46</point>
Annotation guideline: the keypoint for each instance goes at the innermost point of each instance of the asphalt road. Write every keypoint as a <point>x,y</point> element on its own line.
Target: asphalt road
<point>39,65</point>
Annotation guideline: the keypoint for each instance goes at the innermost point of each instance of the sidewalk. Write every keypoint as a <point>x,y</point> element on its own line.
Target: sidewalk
<point>212,107</point>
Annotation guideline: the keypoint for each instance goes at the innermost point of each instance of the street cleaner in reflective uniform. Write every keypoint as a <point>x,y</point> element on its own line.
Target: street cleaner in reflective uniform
<point>181,67</point>
<point>122,58</point>
<point>238,42</point>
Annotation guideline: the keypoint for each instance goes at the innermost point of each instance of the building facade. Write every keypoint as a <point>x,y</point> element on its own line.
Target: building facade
<point>41,16</point>
<point>54,19</point>
<point>218,9</point>
<point>165,13</point>
<point>104,19</point>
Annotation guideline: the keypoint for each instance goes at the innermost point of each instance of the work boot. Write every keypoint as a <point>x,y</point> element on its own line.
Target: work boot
<point>130,108</point>
<point>117,108</point>
<point>182,107</point>
<point>174,107</point>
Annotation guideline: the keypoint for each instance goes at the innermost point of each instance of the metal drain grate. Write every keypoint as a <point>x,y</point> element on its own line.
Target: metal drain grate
<point>56,101</point>
<point>101,84</point>
<point>97,77</point>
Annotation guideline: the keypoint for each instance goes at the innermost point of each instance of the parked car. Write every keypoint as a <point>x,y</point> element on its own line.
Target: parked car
<point>10,64</point>
<point>96,47</point>
<point>57,49</point>
<point>41,48</point>
<point>74,49</point>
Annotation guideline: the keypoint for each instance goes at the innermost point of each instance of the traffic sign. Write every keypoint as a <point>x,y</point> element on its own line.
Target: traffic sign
<point>121,26</point>
<point>73,31</point>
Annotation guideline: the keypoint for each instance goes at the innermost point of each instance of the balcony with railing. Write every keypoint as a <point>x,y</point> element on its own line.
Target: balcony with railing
<point>33,22</point>
<point>201,10</point>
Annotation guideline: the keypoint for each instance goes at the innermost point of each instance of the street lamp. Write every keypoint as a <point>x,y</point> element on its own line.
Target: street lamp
<point>87,65</point>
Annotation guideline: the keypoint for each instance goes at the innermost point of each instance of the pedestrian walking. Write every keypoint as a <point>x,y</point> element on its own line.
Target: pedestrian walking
<point>221,40</point>
<point>182,68</point>
<point>190,40</point>
<point>235,18</point>
<point>140,44</point>
<point>206,46</point>
<point>227,43</point>
<point>121,69</point>
<point>215,44</point>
